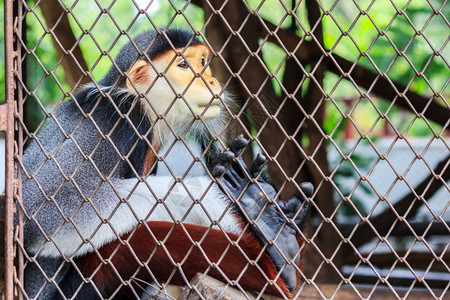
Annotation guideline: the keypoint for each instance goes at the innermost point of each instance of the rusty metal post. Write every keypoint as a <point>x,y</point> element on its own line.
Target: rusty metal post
<point>10,181</point>
<point>21,26</point>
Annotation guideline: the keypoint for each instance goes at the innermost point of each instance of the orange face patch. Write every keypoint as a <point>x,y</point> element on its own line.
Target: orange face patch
<point>183,69</point>
<point>186,73</point>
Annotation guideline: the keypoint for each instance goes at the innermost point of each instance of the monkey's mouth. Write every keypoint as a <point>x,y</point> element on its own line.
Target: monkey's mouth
<point>214,104</point>
<point>209,110</point>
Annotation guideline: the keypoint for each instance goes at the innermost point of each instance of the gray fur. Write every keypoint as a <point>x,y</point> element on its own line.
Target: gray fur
<point>45,281</point>
<point>61,177</point>
<point>76,185</point>
<point>62,183</point>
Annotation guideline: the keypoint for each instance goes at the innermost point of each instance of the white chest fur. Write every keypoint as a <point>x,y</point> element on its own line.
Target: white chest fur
<point>181,159</point>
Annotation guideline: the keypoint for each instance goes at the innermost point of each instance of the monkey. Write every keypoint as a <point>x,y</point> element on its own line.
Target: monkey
<point>115,163</point>
<point>215,245</point>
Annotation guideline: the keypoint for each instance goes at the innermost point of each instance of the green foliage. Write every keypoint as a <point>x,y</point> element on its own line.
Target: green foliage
<point>350,34</point>
<point>276,58</point>
<point>45,77</point>
<point>104,29</point>
<point>362,37</point>
<point>399,36</point>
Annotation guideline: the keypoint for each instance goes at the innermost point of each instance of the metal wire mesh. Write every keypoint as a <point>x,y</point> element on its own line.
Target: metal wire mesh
<point>332,92</point>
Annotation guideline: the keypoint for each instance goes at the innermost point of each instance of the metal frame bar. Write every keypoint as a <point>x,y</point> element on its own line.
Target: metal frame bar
<point>10,181</point>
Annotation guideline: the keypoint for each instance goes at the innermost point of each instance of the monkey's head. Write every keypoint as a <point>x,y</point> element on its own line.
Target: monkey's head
<point>169,73</point>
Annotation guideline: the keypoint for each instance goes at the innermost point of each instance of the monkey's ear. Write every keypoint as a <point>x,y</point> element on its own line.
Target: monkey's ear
<point>138,75</point>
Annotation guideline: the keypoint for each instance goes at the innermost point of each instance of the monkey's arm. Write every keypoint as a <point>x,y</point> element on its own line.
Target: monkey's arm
<point>114,209</point>
<point>276,221</point>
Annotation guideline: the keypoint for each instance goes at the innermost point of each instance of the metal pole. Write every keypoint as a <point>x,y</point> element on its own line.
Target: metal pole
<point>21,27</point>
<point>9,157</point>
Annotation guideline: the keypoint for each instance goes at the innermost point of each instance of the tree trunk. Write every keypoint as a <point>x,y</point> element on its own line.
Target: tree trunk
<point>235,36</point>
<point>67,46</point>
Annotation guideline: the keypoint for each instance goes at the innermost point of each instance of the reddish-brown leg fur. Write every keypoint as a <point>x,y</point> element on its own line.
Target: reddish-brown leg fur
<point>182,251</point>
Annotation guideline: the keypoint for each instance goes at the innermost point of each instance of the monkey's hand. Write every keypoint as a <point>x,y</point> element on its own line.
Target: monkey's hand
<point>275,222</point>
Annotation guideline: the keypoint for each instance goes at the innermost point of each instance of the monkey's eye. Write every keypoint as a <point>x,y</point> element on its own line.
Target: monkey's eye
<point>203,61</point>
<point>183,64</point>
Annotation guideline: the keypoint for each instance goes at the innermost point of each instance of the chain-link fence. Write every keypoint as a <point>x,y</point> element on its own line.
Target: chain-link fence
<point>134,173</point>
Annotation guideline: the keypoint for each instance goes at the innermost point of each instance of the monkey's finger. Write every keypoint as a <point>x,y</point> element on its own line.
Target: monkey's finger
<point>301,214</point>
<point>257,165</point>
<point>290,207</point>
<point>231,179</point>
<point>236,147</point>
<point>237,173</point>
<point>307,188</point>
<point>225,157</point>
<point>238,144</point>
<point>228,180</point>
<point>295,208</point>
<point>218,171</point>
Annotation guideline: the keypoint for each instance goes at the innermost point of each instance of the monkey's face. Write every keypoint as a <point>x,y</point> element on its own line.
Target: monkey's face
<point>179,87</point>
